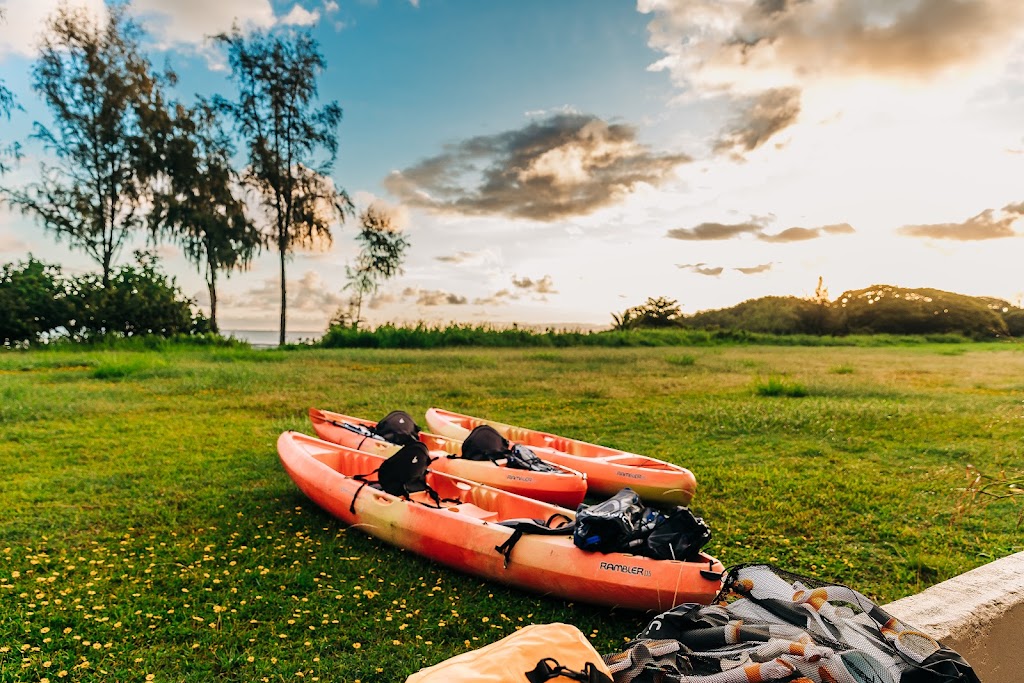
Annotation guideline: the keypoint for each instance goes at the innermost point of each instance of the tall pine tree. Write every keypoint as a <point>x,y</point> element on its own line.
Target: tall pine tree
<point>110,121</point>
<point>198,202</point>
<point>291,142</point>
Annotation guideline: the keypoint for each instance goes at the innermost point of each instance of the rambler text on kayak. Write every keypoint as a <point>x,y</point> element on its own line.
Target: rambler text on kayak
<point>625,569</point>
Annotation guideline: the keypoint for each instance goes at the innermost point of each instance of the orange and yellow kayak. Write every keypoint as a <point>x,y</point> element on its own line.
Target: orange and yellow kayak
<point>608,470</point>
<point>465,532</point>
<point>566,487</point>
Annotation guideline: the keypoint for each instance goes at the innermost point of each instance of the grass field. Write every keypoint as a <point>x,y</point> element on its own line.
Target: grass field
<point>147,531</point>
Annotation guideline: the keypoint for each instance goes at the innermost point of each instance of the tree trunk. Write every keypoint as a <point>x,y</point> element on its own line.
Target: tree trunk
<point>211,282</point>
<point>106,269</point>
<point>283,293</point>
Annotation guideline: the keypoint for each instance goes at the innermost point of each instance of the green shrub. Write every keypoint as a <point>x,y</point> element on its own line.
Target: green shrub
<point>117,369</point>
<point>767,315</point>
<point>33,301</point>
<point>1014,320</point>
<point>779,386</point>
<point>424,336</point>
<point>138,300</point>
<point>38,304</point>
<point>932,312</point>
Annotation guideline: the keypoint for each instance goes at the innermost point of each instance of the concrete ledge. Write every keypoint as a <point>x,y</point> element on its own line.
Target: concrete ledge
<point>980,614</point>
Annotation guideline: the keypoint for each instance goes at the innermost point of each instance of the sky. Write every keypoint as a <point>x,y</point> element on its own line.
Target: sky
<point>554,161</point>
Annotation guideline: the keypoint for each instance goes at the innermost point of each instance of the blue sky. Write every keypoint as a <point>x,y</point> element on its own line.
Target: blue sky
<point>706,150</point>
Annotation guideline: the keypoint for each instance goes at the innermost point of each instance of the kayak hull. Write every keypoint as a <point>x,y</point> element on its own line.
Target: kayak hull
<point>464,534</point>
<point>608,470</point>
<point>567,487</point>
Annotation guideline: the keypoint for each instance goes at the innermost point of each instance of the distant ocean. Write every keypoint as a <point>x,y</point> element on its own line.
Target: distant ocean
<point>261,338</point>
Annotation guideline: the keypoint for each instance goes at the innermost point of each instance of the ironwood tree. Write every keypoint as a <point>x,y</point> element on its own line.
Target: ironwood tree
<point>198,203</point>
<point>382,250</point>
<point>291,142</point>
<point>9,150</point>
<point>109,122</point>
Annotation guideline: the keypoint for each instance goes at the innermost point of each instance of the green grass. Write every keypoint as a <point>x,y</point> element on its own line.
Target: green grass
<point>146,526</point>
<point>682,361</point>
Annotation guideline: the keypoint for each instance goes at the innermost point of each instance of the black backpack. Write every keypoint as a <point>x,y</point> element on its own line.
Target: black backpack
<point>610,526</point>
<point>677,535</point>
<point>398,427</point>
<point>485,443</point>
<point>403,474</point>
<point>622,524</point>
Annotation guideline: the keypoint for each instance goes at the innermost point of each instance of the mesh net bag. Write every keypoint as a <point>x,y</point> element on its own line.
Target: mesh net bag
<point>770,625</point>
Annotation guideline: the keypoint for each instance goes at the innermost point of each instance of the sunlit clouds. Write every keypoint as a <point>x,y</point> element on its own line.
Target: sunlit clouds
<point>563,166</point>
<point>702,269</point>
<point>987,225</point>
<point>749,47</point>
<point>760,118</point>
<point>754,270</point>
<point>757,227</point>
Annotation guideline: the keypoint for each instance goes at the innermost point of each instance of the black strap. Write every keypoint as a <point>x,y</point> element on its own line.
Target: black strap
<point>436,497</point>
<point>355,428</point>
<point>365,479</point>
<point>549,668</point>
<point>506,547</point>
<point>532,526</point>
<point>553,517</point>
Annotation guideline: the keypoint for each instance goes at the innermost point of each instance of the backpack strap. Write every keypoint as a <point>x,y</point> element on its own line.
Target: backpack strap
<point>549,668</point>
<point>532,526</point>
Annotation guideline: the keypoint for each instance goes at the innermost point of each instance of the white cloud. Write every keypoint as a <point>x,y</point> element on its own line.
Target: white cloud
<point>331,6</point>
<point>191,22</point>
<point>22,28</point>
<point>484,259</point>
<point>308,294</point>
<point>300,16</point>
<point>182,23</point>
<point>544,113</point>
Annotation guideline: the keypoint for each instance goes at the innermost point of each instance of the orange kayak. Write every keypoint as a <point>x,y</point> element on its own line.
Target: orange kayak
<point>464,532</point>
<point>608,470</point>
<point>566,487</point>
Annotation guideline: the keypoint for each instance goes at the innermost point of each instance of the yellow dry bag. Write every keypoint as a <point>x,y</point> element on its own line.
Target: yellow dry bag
<point>534,654</point>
